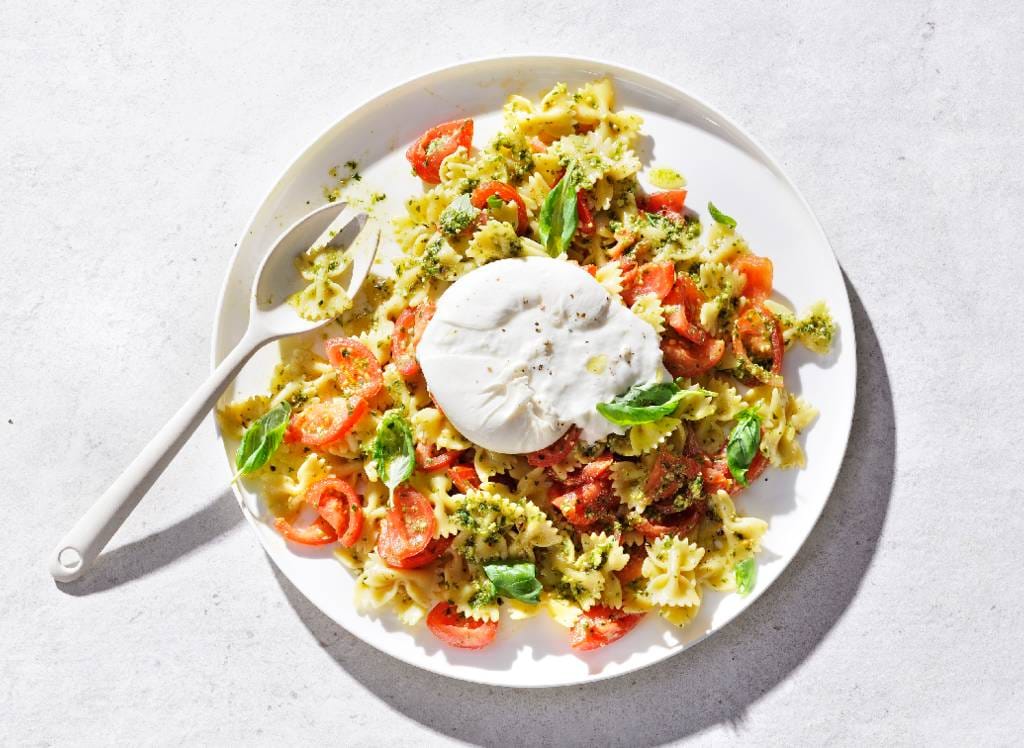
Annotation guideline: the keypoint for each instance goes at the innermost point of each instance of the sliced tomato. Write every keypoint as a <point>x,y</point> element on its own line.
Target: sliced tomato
<point>323,423</point>
<point>758,272</point>
<point>434,550</point>
<point>557,452</point>
<point>409,327</point>
<point>456,630</point>
<point>718,477</point>
<point>685,318</point>
<point>670,202</point>
<point>757,337</point>
<point>668,475</point>
<point>584,214</point>
<point>359,372</point>
<point>464,477</point>
<point>430,460</point>
<point>408,526</point>
<point>651,278</point>
<point>633,569</point>
<point>435,145</point>
<point>592,269</point>
<point>601,626</point>
<point>338,503</point>
<point>684,358</point>
<point>318,532</point>
<point>506,193</point>
<point>682,523</point>
<point>592,471</point>
<point>587,503</point>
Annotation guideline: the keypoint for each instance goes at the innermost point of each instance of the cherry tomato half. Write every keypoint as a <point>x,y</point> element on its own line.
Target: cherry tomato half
<point>429,460</point>
<point>671,203</point>
<point>685,318</point>
<point>319,532</point>
<point>435,145</point>
<point>652,278</point>
<point>456,630</point>
<point>684,358</point>
<point>506,193</point>
<point>339,504</point>
<point>464,477</point>
<point>409,327</point>
<point>434,550</point>
<point>555,453</point>
<point>323,423</point>
<point>409,525</point>
<point>601,626</point>
<point>359,372</point>
<point>758,272</point>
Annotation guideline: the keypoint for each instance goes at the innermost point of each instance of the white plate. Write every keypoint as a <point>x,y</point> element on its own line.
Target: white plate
<point>721,163</point>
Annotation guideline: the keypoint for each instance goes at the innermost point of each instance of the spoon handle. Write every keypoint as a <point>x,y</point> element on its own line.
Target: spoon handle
<point>78,549</point>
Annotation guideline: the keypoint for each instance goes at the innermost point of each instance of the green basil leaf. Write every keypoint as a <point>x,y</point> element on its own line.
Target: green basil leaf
<point>515,580</point>
<point>262,439</point>
<point>721,217</point>
<point>746,576</point>
<point>643,403</point>
<point>393,452</point>
<point>743,444</point>
<point>557,221</point>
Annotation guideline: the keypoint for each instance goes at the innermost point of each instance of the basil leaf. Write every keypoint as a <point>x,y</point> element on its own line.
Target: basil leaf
<point>517,581</point>
<point>721,217</point>
<point>743,443</point>
<point>643,403</point>
<point>262,439</point>
<point>746,576</point>
<point>392,451</point>
<point>557,221</point>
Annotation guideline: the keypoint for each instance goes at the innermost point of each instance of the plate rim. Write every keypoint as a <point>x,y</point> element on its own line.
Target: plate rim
<point>613,68</point>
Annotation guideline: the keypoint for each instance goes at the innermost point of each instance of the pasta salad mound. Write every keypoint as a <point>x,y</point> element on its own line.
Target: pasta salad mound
<point>551,401</point>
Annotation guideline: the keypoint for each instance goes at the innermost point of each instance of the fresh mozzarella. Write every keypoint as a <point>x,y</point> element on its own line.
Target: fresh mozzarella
<point>520,350</point>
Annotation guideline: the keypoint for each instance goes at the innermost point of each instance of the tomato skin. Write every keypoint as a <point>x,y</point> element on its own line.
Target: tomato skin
<point>434,550</point>
<point>754,323</point>
<point>555,453</point>
<point>686,319</point>
<point>430,461</point>
<point>668,474</point>
<point>592,471</point>
<point>409,525</point>
<point>435,145</point>
<point>324,423</point>
<point>359,372</point>
<point>718,477</point>
<point>456,630</point>
<point>759,273</point>
<point>505,192</point>
<point>651,278</point>
<point>584,215</point>
<point>319,532</point>
<point>686,359</point>
<point>682,523</point>
<point>409,327</point>
<point>670,202</point>
<point>600,626</point>
<point>585,504</point>
<point>464,477</point>
<point>339,504</point>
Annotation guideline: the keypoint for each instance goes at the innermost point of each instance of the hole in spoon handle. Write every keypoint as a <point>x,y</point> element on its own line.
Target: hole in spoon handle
<point>68,564</point>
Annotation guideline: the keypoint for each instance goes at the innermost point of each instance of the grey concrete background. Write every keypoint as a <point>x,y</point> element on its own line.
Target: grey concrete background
<point>137,138</point>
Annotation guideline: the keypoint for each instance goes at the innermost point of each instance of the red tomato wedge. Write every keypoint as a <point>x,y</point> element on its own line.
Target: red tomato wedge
<point>652,278</point>
<point>758,272</point>
<point>757,335</point>
<point>668,475</point>
<point>506,193</point>
<point>686,359</point>
<point>591,472</point>
<point>339,504</point>
<point>435,145</point>
<point>464,477</point>
<point>633,570</point>
<point>717,476</point>
<point>431,461</point>
<point>557,452</point>
<point>434,550</point>
<point>685,320</point>
<point>601,626</point>
<point>409,327</point>
<point>409,525</point>
<point>323,423</point>
<point>671,202</point>
<point>359,372</point>
<point>584,214</point>
<point>680,523</point>
<point>319,532</point>
<point>456,630</point>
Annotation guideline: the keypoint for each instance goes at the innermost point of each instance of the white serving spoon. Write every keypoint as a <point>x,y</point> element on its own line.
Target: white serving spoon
<point>270,318</point>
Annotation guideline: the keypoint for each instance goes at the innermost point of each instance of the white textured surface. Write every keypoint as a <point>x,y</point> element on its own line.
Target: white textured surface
<point>154,132</point>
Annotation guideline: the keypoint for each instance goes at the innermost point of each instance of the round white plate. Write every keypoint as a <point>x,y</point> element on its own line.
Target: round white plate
<point>721,163</point>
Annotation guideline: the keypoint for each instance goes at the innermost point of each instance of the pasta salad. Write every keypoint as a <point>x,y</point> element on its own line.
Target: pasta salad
<point>551,402</point>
